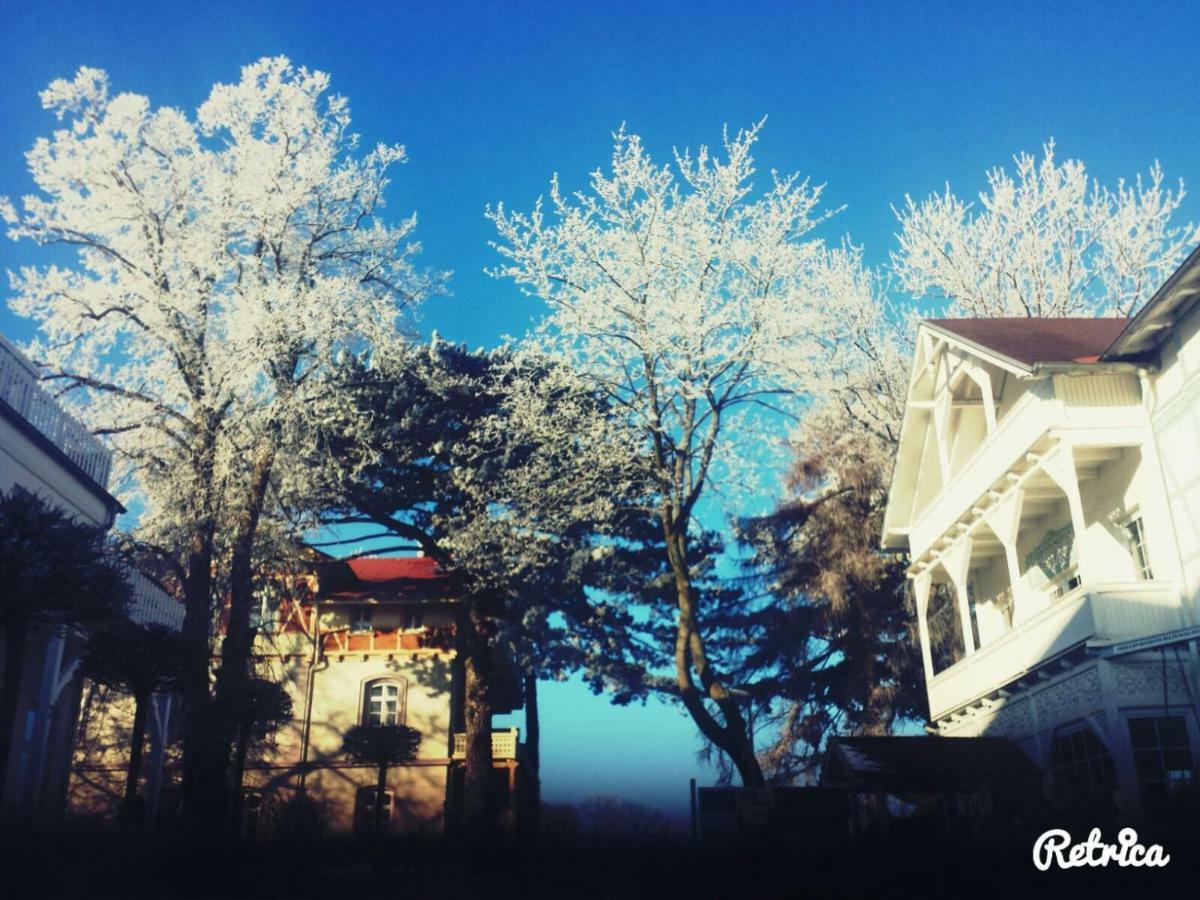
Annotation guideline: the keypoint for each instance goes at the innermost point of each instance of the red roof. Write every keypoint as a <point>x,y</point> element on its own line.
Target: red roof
<point>1033,340</point>
<point>391,568</point>
<point>383,578</point>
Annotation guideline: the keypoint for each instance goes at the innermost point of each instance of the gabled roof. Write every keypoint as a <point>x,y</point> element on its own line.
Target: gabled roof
<point>911,763</point>
<point>1175,299</point>
<point>1030,341</point>
<point>383,578</point>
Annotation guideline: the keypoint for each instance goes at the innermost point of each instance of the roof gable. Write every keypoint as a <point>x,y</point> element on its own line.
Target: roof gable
<point>1030,341</point>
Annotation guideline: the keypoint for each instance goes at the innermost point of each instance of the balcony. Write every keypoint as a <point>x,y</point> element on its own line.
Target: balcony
<point>1099,411</point>
<point>343,642</point>
<point>1101,612</point>
<point>20,390</point>
<point>504,744</point>
<point>150,604</point>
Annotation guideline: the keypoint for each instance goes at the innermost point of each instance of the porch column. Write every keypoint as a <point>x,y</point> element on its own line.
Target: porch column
<point>1005,521</point>
<point>1060,466</point>
<point>921,586</point>
<point>957,561</point>
<point>33,768</point>
<point>160,724</point>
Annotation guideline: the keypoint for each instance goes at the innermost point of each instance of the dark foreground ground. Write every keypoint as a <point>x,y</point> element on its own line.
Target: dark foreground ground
<point>78,865</point>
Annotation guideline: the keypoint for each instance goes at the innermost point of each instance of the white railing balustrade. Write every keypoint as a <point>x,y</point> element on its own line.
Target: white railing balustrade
<point>19,388</point>
<point>504,744</point>
<point>149,604</point>
<point>1087,613</point>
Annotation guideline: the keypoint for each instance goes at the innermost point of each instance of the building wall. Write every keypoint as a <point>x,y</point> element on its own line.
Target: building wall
<point>1104,694</point>
<point>1175,415</point>
<point>1152,470</point>
<point>23,463</point>
<point>40,752</point>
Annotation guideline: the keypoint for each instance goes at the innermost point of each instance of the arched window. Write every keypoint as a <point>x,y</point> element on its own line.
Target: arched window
<point>384,701</point>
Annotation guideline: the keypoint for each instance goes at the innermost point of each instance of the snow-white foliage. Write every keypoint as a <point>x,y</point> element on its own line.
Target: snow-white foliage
<point>1045,242</point>
<point>223,262</point>
<point>701,308</point>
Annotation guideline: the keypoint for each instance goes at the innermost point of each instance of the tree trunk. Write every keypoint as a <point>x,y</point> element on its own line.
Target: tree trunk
<point>533,756</point>
<point>733,736</point>
<point>478,791</point>
<point>137,740</point>
<point>15,632</point>
<point>201,756</point>
<point>380,789</point>
<point>238,644</point>
<point>239,773</point>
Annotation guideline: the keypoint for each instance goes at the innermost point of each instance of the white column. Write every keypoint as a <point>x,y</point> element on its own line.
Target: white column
<point>1060,466</point>
<point>160,723</point>
<point>957,561</point>
<point>921,586</point>
<point>29,790</point>
<point>1005,521</point>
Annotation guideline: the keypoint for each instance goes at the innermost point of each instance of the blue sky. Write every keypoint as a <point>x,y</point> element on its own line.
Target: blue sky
<point>872,99</point>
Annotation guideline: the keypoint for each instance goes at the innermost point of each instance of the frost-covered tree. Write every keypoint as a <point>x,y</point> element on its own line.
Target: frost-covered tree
<point>702,310</point>
<point>1047,241</point>
<point>224,262</point>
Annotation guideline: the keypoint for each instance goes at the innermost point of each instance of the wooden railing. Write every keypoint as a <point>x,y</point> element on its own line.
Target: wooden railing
<point>1088,613</point>
<point>504,744</point>
<point>149,604</point>
<point>390,640</point>
<point>19,388</point>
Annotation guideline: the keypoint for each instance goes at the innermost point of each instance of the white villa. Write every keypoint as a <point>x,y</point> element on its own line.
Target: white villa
<point>1047,491</point>
<point>45,451</point>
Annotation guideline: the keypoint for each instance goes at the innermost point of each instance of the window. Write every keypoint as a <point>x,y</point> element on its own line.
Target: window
<point>1162,756</point>
<point>1082,771</point>
<point>384,703</point>
<point>410,618</point>
<point>1135,535</point>
<point>360,619</point>
<point>365,821</point>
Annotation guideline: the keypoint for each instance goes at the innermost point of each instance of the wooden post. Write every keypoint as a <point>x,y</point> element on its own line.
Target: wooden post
<point>695,820</point>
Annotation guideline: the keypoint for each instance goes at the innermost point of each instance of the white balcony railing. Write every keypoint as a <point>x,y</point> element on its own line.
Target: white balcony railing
<point>19,388</point>
<point>504,744</point>
<point>149,604</point>
<point>1099,612</point>
<point>1028,421</point>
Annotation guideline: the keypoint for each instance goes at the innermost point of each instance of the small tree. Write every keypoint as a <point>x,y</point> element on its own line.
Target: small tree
<point>261,708</point>
<point>56,572</point>
<point>381,746</point>
<point>139,660</point>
